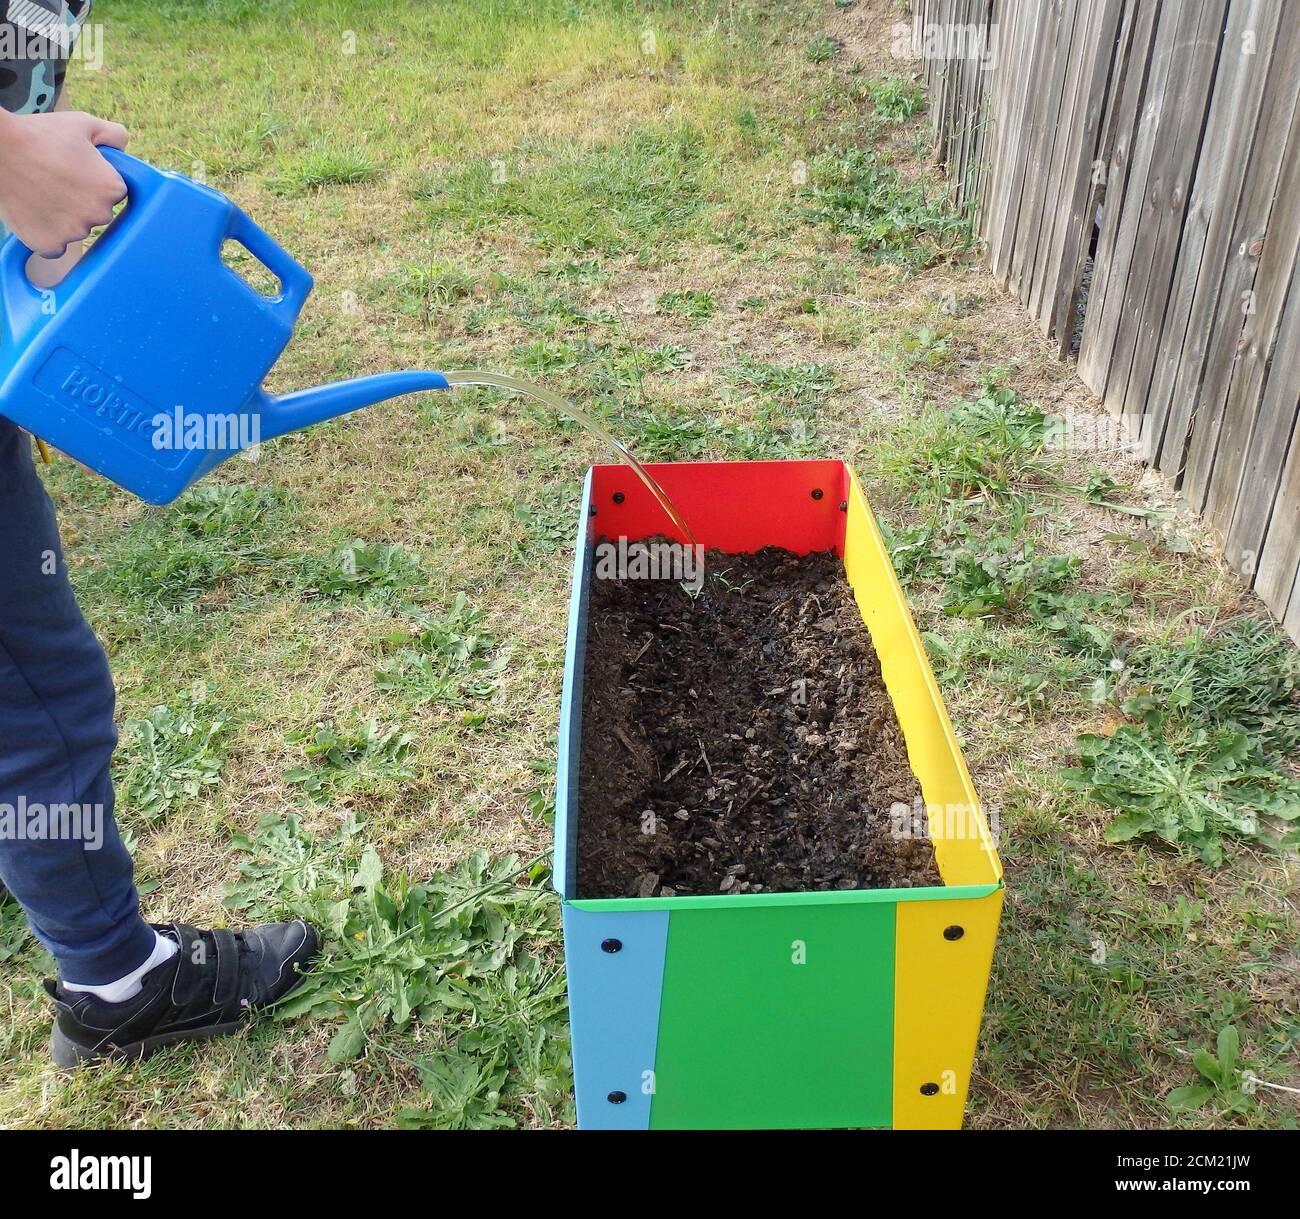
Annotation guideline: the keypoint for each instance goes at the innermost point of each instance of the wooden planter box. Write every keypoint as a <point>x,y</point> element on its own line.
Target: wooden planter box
<point>688,1012</point>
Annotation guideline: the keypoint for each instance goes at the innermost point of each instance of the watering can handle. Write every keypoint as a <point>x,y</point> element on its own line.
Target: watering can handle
<point>140,177</point>
<point>142,180</point>
<point>295,279</point>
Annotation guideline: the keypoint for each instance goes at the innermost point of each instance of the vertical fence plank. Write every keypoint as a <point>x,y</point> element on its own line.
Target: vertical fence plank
<point>1278,578</point>
<point>1059,171</point>
<point>1036,19</point>
<point>1259,192</point>
<point>1234,101</point>
<point>1096,343</point>
<point>1124,257</point>
<point>1076,231</point>
<point>1056,38</point>
<point>1160,225</point>
<point>1245,475</point>
<point>1262,537</point>
<point>1002,133</point>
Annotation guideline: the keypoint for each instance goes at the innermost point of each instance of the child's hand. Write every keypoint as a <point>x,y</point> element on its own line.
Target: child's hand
<point>55,187</point>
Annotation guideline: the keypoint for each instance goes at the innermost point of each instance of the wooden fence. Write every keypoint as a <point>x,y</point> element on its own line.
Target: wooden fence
<point>1134,168</point>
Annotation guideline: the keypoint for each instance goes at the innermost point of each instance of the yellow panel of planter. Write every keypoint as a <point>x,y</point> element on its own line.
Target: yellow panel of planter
<point>963,846</point>
<point>939,979</point>
<point>939,983</point>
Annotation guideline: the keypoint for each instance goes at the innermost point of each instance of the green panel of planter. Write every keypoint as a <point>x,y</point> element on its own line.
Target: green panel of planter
<point>777,1016</point>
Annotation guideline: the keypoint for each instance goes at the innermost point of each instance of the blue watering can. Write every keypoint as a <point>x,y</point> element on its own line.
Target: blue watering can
<point>146,363</point>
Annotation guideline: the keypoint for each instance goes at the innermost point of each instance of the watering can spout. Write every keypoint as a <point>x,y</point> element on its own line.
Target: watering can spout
<point>294,411</point>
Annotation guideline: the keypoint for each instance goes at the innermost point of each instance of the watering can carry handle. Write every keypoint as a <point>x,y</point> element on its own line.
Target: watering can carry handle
<point>295,279</point>
<point>142,180</point>
<point>140,177</point>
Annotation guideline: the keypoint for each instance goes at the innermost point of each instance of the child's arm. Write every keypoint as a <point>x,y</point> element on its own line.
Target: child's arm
<point>54,186</point>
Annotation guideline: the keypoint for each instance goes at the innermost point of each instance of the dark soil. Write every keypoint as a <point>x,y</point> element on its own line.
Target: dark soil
<point>740,740</point>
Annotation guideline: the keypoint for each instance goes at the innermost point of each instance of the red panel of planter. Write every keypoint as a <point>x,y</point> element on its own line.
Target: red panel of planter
<point>735,506</point>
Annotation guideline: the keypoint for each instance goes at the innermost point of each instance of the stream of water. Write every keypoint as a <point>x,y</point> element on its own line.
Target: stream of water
<point>594,426</point>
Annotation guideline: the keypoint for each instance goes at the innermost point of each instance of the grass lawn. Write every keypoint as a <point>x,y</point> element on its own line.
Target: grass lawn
<point>339,667</point>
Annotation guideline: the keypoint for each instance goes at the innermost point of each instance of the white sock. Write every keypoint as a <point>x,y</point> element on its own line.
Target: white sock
<point>129,986</point>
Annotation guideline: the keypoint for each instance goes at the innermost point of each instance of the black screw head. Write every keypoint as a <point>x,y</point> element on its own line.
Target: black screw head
<point>617,1098</point>
<point>818,493</point>
<point>953,933</point>
<point>844,505</point>
<point>611,945</point>
<point>929,1089</point>
<point>619,497</point>
<point>591,509</point>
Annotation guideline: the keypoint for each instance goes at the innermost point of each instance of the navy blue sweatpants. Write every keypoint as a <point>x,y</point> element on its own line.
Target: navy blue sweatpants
<point>60,852</point>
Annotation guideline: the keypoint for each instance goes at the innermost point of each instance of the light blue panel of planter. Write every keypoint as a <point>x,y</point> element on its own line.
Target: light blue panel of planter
<point>564,869</point>
<point>614,1011</point>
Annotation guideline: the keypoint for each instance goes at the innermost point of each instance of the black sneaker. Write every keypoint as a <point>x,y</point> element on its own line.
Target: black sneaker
<point>208,989</point>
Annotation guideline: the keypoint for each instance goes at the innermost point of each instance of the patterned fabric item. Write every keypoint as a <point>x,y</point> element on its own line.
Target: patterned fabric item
<point>36,38</point>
